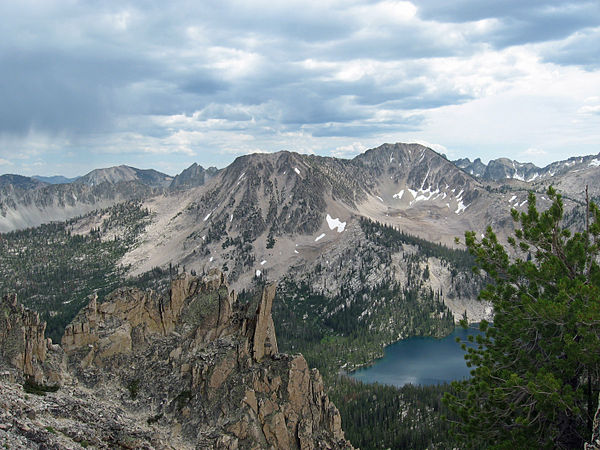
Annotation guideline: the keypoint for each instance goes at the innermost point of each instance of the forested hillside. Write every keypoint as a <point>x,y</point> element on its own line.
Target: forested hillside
<point>53,270</point>
<point>341,332</point>
<point>383,293</point>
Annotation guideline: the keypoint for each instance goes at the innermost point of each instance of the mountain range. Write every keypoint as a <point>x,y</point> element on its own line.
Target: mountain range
<point>363,250</point>
<point>286,213</point>
<point>414,170</point>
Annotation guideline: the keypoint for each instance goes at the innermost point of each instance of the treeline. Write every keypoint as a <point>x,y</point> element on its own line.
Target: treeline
<point>376,416</point>
<point>351,328</point>
<point>388,236</point>
<point>342,331</point>
<point>373,416</point>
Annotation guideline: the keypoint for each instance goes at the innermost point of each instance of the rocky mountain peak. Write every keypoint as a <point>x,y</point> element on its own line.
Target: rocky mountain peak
<point>266,165</point>
<point>504,168</point>
<point>193,176</point>
<point>475,168</point>
<point>119,174</point>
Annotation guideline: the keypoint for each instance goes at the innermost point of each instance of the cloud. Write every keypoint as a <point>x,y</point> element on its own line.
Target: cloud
<point>589,109</point>
<point>5,162</point>
<point>113,78</point>
<point>518,22</point>
<point>409,123</point>
<point>534,152</point>
<point>581,48</point>
<point>348,151</point>
<point>442,149</point>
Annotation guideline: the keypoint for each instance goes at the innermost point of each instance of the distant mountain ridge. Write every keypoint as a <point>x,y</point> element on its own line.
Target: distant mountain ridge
<point>12,181</point>
<point>56,179</point>
<point>502,169</point>
<point>402,181</point>
<point>27,201</point>
<point>119,174</point>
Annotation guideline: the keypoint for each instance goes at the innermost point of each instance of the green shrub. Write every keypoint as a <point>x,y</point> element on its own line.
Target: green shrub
<point>134,389</point>
<point>31,387</point>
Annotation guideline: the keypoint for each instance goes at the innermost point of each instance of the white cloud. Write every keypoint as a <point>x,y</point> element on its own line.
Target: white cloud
<point>437,147</point>
<point>531,104</point>
<point>348,151</point>
<point>535,152</point>
<point>5,162</point>
<point>387,11</point>
<point>590,109</point>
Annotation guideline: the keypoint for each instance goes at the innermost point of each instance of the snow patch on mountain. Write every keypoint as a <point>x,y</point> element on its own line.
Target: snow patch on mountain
<point>461,207</point>
<point>335,223</point>
<point>424,194</point>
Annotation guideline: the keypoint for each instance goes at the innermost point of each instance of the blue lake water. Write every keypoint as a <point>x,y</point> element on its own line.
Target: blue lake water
<point>420,360</point>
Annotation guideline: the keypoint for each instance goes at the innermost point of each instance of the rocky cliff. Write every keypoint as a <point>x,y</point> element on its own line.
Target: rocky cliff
<point>594,443</point>
<point>24,347</point>
<point>192,369</point>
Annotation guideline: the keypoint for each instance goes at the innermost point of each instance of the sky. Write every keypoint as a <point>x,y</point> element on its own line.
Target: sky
<point>155,84</point>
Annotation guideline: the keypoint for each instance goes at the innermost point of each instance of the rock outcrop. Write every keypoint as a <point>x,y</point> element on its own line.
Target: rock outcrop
<point>196,367</point>
<point>594,443</point>
<point>130,314</point>
<point>23,345</point>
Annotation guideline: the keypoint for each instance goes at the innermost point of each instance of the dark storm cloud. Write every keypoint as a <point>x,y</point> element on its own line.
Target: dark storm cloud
<point>51,90</point>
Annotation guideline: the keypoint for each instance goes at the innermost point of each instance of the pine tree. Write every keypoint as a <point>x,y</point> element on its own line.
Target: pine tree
<point>537,368</point>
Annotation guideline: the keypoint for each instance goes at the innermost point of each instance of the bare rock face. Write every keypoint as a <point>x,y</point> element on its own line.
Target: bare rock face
<point>130,317</point>
<point>594,444</point>
<point>23,345</point>
<point>264,341</point>
<point>199,368</point>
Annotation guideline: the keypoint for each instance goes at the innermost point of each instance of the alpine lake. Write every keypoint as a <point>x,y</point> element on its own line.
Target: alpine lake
<point>420,361</point>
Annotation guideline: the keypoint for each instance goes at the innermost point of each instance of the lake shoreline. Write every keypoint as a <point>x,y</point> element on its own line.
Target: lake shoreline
<point>377,370</point>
